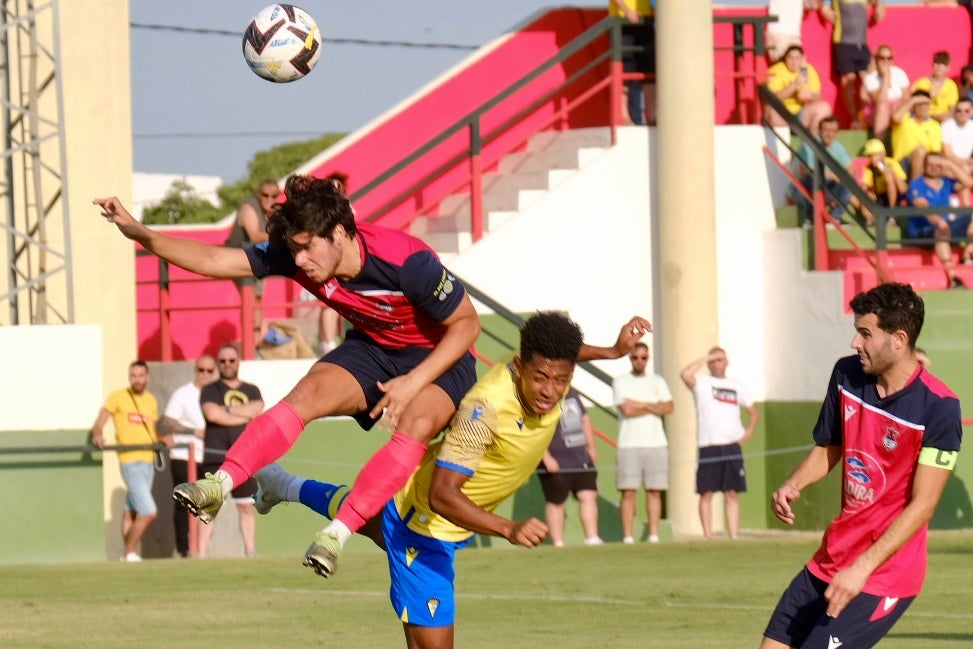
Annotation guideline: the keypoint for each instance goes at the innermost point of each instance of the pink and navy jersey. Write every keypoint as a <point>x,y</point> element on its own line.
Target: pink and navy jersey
<point>881,440</point>
<point>399,299</point>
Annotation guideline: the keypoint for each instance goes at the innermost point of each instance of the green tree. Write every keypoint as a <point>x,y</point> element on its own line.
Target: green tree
<point>181,204</point>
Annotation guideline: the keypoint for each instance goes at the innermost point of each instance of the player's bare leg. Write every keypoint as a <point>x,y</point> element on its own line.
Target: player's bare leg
<point>706,513</point>
<point>426,637</point>
<point>732,505</point>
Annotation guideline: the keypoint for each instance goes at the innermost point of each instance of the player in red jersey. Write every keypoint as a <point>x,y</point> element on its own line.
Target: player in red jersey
<point>895,430</point>
<point>407,355</point>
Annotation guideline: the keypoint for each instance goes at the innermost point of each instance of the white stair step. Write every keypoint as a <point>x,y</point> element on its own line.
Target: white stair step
<point>575,138</point>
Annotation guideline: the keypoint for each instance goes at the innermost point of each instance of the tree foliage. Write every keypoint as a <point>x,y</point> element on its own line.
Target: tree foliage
<point>182,204</point>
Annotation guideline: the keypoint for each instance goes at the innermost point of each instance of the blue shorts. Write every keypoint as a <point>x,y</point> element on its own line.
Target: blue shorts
<point>138,480</point>
<point>370,363</point>
<point>920,228</point>
<point>422,572</point>
<point>800,619</point>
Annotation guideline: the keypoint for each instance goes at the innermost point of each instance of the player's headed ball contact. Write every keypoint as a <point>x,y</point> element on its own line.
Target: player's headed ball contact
<point>282,43</point>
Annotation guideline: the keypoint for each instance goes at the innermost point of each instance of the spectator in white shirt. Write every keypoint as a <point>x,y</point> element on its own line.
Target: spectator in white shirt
<point>958,134</point>
<point>882,89</point>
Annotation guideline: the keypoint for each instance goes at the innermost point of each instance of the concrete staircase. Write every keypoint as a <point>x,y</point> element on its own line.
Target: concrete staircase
<point>520,180</point>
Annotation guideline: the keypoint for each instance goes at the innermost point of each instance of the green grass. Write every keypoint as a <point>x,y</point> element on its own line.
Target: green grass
<point>676,595</point>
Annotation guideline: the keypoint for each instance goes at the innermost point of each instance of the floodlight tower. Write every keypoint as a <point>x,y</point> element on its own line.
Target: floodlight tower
<point>36,272</point>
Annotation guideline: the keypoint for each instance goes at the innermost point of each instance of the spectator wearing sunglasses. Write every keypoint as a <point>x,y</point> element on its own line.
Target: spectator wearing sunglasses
<point>958,134</point>
<point>883,88</point>
<point>250,228</point>
<point>183,423</point>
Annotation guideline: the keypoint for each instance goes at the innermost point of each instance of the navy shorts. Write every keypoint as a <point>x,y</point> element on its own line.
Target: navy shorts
<point>370,363</point>
<point>557,486</point>
<point>851,57</point>
<point>721,469</point>
<point>800,619</point>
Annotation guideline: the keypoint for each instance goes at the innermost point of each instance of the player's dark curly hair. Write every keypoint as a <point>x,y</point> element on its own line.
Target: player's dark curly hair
<point>552,335</point>
<point>896,306</point>
<point>313,206</point>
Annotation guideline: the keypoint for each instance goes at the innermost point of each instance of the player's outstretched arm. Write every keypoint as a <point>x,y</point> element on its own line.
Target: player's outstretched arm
<point>448,500</point>
<point>632,332</point>
<point>196,256</point>
<point>813,468</point>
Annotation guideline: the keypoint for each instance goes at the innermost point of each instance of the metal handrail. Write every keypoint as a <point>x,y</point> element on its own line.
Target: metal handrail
<point>824,160</point>
<point>472,122</point>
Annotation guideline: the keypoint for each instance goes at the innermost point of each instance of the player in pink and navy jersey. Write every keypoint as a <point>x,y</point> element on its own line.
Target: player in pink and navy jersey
<point>407,355</point>
<point>895,431</point>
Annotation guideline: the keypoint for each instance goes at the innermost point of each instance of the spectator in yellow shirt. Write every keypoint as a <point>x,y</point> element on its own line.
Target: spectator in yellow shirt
<point>942,90</point>
<point>797,85</point>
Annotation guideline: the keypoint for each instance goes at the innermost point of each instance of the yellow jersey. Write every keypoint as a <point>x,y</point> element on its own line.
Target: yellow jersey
<point>492,439</point>
<point>779,76</point>
<point>944,100</point>
<point>644,7</point>
<point>134,416</point>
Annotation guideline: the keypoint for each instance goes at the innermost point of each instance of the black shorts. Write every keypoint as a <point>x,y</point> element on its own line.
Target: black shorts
<point>371,363</point>
<point>800,619</point>
<point>641,35</point>
<point>849,57</point>
<point>247,490</point>
<point>557,486</point>
<point>721,469</point>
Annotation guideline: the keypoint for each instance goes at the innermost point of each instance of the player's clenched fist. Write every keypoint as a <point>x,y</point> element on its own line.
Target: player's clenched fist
<point>528,533</point>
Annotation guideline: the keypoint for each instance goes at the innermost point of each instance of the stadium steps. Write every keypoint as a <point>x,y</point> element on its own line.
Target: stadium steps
<point>916,266</point>
<point>521,179</point>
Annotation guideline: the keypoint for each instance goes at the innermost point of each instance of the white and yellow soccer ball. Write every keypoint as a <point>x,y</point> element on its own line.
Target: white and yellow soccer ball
<point>282,43</point>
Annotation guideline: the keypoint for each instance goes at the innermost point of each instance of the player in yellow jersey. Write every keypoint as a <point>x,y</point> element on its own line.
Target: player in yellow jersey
<point>491,447</point>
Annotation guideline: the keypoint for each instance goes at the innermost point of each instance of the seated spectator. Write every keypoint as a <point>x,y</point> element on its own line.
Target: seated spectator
<point>836,195</point>
<point>958,134</point>
<point>883,178</point>
<point>942,90</point>
<point>797,85</point>
<point>915,133</point>
<point>883,88</point>
<point>934,189</point>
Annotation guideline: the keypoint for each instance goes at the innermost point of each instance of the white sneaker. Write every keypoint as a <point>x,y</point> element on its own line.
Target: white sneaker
<point>653,538</point>
<point>628,540</point>
<point>132,557</point>
<point>272,483</point>
<point>594,540</point>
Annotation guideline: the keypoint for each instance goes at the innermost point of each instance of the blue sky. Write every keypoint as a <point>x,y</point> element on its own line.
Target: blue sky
<point>197,108</point>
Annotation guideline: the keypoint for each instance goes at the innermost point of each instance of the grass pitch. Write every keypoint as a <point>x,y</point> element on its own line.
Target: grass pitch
<point>675,595</point>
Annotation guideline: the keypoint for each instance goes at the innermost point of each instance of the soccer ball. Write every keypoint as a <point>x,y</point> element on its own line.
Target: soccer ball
<point>282,43</point>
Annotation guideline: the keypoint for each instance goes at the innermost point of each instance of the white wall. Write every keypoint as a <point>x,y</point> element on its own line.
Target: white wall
<point>586,248</point>
<point>51,377</point>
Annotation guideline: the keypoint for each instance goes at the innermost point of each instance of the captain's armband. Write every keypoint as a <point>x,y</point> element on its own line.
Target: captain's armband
<point>938,458</point>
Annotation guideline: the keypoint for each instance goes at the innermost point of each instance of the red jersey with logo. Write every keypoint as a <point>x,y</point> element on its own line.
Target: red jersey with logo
<point>881,440</point>
<point>399,299</point>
